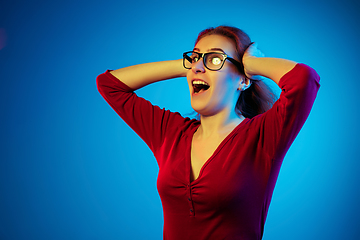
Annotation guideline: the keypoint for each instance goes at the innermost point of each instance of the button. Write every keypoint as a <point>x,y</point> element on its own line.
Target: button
<point>189,198</point>
<point>191,210</point>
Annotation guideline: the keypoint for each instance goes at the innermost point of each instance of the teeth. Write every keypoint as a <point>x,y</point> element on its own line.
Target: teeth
<point>199,82</point>
<point>200,85</point>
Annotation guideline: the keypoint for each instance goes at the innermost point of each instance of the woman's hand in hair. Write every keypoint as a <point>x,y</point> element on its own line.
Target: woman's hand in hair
<point>251,53</point>
<point>255,64</point>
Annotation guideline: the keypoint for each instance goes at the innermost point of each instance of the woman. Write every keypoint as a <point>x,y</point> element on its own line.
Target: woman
<point>217,175</point>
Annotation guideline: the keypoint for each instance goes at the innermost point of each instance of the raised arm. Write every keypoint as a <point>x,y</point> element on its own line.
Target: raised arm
<point>299,85</point>
<point>150,122</point>
<point>273,68</point>
<point>138,76</point>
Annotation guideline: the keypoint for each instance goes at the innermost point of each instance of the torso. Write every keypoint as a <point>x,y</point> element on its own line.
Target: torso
<point>202,150</point>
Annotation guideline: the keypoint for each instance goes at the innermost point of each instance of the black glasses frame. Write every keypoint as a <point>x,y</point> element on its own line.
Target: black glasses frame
<point>203,55</point>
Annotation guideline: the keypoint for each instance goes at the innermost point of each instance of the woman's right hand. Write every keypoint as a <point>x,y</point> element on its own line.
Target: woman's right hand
<point>138,76</point>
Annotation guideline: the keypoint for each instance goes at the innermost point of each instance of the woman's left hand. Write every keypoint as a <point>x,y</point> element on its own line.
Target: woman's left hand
<point>251,53</point>
<point>256,66</point>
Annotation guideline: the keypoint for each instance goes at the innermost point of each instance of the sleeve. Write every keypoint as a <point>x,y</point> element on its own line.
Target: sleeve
<point>150,122</point>
<point>280,125</point>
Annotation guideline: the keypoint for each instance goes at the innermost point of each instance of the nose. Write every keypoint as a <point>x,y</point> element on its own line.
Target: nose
<point>198,67</point>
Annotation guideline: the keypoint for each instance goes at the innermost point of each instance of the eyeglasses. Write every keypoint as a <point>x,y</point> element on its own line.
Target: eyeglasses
<point>213,61</point>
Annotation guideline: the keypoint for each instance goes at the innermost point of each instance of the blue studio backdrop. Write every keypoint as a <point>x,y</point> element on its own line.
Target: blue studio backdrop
<point>71,169</point>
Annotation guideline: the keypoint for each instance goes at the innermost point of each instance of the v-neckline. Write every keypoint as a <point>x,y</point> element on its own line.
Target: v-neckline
<point>218,148</point>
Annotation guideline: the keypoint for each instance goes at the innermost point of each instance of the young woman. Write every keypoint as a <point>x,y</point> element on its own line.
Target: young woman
<point>217,174</point>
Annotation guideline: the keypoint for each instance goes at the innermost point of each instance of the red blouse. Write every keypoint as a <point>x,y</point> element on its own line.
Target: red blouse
<point>230,198</point>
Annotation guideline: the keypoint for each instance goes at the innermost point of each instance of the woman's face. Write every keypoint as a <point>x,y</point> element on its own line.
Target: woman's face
<point>224,83</point>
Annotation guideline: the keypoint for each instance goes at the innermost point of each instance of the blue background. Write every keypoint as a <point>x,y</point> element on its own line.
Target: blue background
<point>71,169</point>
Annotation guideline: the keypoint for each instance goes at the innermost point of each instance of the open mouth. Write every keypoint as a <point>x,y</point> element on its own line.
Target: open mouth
<point>200,86</point>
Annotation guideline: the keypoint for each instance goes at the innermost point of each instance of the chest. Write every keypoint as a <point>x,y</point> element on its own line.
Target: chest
<point>201,152</point>
<point>225,175</point>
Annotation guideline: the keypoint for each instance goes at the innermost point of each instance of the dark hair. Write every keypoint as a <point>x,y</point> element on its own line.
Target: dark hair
<point>256,99</point>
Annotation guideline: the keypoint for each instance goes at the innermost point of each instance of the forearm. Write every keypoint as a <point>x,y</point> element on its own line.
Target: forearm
<point>273,68</point>
<point>138,76</point>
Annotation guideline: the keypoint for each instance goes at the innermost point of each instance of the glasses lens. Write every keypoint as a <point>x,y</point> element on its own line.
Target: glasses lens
<point>190,58</point>
<point>214,61</point>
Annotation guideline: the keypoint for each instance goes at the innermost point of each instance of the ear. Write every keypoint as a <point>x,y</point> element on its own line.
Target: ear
<point>244,84</point>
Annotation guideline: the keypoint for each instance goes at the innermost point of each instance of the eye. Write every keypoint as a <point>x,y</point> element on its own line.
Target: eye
<point>194,57</point>
<point>216,61</point>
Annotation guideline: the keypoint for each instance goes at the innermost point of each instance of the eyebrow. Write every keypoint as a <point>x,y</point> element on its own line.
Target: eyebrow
<point>211,49</point>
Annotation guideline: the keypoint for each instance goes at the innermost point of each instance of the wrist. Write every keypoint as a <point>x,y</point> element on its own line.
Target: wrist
<point>180,70</point>
<point>250,65</point>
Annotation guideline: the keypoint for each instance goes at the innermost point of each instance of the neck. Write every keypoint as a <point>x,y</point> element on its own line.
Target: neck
<point>219,124</point>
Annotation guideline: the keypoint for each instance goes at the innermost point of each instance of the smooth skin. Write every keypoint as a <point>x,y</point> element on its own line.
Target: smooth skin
<point>216,106</point>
